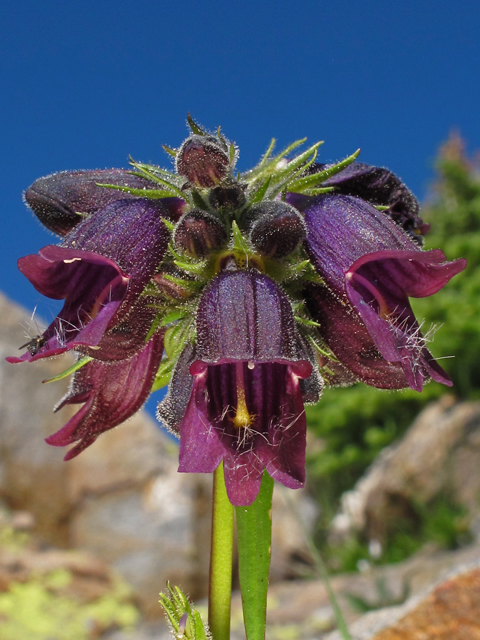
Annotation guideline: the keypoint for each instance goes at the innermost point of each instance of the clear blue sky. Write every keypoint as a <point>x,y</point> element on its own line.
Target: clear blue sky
<point>84,84</point>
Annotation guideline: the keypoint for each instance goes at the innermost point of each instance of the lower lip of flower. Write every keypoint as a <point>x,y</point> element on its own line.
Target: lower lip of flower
<point>383,310</point>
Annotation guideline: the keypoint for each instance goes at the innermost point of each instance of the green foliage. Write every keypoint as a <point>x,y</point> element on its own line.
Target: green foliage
<point>354,424</point>
<point>38,610</point>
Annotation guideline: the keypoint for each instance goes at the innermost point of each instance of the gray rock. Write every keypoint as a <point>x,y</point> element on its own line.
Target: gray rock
<point>439,455</point>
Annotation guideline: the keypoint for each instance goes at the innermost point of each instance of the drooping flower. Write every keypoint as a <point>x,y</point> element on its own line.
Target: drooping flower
<point>372,268</point>
<point>242,292</point>
<point>246,401</point>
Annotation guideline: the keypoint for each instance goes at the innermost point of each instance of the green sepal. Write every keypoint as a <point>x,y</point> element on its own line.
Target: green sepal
<point>298,186</point>
<point>189,285</point>
<point>194,126</point>
<point>175,337</point>
<point>232,153</point>
<point>381,207</point>
<point>323,350</point>
<point>173,316</point>
<point>75,367</point>
<point>146,172</point>
<point>154,327</point>
<point>254,531</point>
<point>198,201</point>
<point>261,191</point>
<point>153,194</point>
<point>169,150</point>
<point>170,225</point>
<point>239,242</point>
<point>197,268</point>
<point>301,161</point>
<point>317,192</point>
<point>307,322</point>
<point>164,375</point>
<point>268,152</point>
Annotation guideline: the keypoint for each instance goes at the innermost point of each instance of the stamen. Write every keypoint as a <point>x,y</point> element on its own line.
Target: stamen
<point>242,416</point>
<point>382,305</point>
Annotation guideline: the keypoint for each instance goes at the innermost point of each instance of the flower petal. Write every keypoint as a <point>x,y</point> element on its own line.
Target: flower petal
<point>347,336</point>
<point>60,201</point>
<point>243,315</point>
<point>112,393</point>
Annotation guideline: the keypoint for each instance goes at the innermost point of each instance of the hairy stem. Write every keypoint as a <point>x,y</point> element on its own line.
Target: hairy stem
<point>220,591</point>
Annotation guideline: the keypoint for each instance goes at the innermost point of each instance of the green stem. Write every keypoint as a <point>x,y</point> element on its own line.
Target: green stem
<point>254,532</point>
<point>219,597</point>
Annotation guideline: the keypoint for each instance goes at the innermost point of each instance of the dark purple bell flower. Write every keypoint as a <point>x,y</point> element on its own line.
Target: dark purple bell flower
<point>245,406</point>
<point>100,271</point>
<point>111,393</point>
<point>373,267</point>
<point>62,200</point>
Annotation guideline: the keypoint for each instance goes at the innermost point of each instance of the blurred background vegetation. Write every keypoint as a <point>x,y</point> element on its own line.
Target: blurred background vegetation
<point>351,426</point>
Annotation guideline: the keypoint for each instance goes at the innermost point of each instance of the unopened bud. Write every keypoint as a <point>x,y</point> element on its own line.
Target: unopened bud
<point>203,161</point>
<point>276,228</point>
<point>229,197</point>
<point>198,232</point>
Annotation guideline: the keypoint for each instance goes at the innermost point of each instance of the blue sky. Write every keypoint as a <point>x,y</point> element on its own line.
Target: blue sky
<point>83,85</point>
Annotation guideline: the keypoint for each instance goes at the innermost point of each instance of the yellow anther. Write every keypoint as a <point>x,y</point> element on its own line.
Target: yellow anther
<point>242,418</point>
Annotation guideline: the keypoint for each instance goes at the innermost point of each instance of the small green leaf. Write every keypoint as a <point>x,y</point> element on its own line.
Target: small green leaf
<point>232,153</point>
<point>169,150</point>
<point>254,528</point>
<point>317,178</point>
<point>191,267</point>
<point>268,152</point>
<point>306,322</point>
<point>239,242</point>
<point>198,201</point>
<point>153,194</point>
<point>194,126</point>
<point>75,367</point>
<point>163,376</point>
<point>261,191</point>
<point>173,316</point>
<point>170,225</point>
<point>381,207</point>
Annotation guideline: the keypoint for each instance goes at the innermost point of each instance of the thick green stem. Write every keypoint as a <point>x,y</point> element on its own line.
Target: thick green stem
<point>220,592</point>
<point>254,530</point>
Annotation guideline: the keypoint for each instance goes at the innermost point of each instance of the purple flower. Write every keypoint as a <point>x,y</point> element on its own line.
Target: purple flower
<point>245,406</point>
<point>241,292</point>
<point>371,268</point>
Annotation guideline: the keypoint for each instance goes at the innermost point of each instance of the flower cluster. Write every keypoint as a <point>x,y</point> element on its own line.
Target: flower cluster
<point>245,293</point>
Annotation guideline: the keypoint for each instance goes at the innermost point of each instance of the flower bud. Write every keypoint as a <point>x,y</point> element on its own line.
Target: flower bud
<point>276,228</point>
<point>229,197</point>
<point>199,232</point>
<point>203,161</point>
